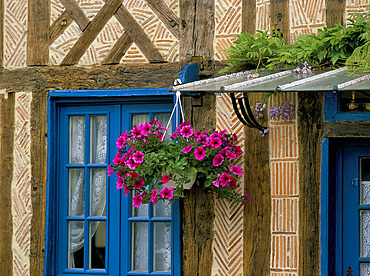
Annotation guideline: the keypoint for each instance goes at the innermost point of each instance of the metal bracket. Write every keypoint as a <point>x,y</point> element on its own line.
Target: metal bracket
<point>355,182</point>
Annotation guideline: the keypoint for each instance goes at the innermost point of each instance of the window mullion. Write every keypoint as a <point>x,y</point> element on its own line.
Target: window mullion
<point>87,195</point>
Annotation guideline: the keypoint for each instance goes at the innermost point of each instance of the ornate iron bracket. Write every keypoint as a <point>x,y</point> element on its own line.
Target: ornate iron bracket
<point>244,113</point>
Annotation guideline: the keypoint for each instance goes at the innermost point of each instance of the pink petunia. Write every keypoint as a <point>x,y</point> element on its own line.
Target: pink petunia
<point>230,155</point>
<point>232,184</point>
<point>145,128</point>
<point>216,183</point>
<point>185,123</point>
<point>236,170</point>
<point>134,174</point>
<point>131,163</point>
<point>197,133</point>
<point>167,192</point>
<point>126,190</point>
<point>187,149</point>
<point>165,178</point>
<point>199,153</point>
<point>137,200</point>
<point>117,160</point>
<point>154,197</point>
<point>110,170</point>
<point>234,137</point>
<point>120,182</point>
<point>175,134</point>
<point>158,134</point>
<point>217,160</point>
<point>224,178</point>
<point>138,157</point>
<point>203,139</point>
<point>215,142</point>
<point>121,140</point>
<point>139,183</point>
<point>186,131</point>
<point>136,132</point>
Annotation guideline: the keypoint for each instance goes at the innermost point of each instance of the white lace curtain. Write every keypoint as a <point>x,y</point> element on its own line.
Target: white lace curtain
<point>98,154</point>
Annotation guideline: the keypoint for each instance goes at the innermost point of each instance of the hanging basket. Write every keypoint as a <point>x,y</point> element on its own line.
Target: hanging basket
<point>187,186</point>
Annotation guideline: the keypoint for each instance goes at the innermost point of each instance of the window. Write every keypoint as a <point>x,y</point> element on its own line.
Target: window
<point>92,228</point>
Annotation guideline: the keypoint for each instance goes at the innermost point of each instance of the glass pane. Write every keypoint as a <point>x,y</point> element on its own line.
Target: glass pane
<point>162,246</point>
<point>97,244</point>
<point>76,244</point>
<point>76,192</point>
<point>139,247</point>
<point>163,119</point>
<point>97,191</point>
<point>355,101</point>
<point>139,119</point>
<point>365,269</point>
<point>98,139</point>
<point>77,140</point>
<point>365,181</point>
<point>365,233</point>
<point>162,209</point>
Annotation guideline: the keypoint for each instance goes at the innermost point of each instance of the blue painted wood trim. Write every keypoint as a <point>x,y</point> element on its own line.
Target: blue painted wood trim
<point>110,93</point>
<point>324,206</point>
<point>189,72</point>
<point>332,112</point>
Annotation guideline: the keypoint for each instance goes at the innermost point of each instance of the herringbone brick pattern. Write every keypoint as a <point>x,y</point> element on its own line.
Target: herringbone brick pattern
<point>228,25</point>
<point>284,193</point>
<point>21,185</point>
<point>228,240</point>
<point>15,33</point>
<point>263,15</point>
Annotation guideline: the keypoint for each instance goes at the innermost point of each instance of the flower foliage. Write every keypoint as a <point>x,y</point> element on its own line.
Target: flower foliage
<point>145,163</point>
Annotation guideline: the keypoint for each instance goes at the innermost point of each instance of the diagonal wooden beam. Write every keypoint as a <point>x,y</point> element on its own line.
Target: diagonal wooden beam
<point>166,15</point>
<point>76,13</point>
<point>138,35</point>
<point>118,50</point>
<point>91,32</point>
<point>59,26</point>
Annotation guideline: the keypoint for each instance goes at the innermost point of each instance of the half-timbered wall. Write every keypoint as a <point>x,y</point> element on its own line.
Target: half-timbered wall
<point>73,44</point>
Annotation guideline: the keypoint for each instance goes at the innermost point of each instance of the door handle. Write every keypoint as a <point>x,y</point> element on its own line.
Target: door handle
<point>355,182</point>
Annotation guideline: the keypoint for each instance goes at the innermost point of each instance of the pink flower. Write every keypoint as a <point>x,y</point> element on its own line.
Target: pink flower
<point>203,139</point>
<point>165,178</point>
<point>110,170</point>
<point>216,183</point>
<point>186,131</point>
<point>187,149</point>
<point>167,192</point>
<point>131,163</point>
<point>133,174</point>
<point>145,128</point>
<point>136,132</point>
<point>234,137</point>
<point>121,140</point>
<point>236,170</point>
<point>199,153</point>
<point>217,160</point>
<point>247,196</point>
<point>158,134</point>
<point>230,155</point>
<point>126,190</point>
<point>185,123</point>
<point>224,179</point>
<point>117,159</point>
<point>197,133</point>
<point>137,200</point>
<point>175,134</point>
<point>120,182</point>
<point>138,183</point>
<point>138,157</point>
<point>215,142</point>
<point>154,198</point>
<point>232,184</point>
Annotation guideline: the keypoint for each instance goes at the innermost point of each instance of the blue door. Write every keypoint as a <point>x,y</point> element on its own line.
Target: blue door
<point>356,211</point>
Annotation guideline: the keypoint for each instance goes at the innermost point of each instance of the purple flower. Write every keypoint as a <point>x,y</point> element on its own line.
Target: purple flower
<point>187,149</point>
<point>137,200</point>
<point>199,153</point>
<point>167,192</point>
<point>217,160</point>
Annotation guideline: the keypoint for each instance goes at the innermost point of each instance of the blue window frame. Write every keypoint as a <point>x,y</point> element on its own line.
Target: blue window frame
<point>92,228</point>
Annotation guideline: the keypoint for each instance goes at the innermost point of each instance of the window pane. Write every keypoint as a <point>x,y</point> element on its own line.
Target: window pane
<point>163,119</point>
<point>139,246</point>
<point>139,119</point>
<point>76,244</point>
<point>162,209</point>
<point>365,233</point>
<point>77,140</point>
<point>162,246</point>
<point>98,139</point>
<point>97,244</point>
<point>365,269</point>
<point>76,192</point>
<point>358,101</point>
<point>365,181</point>
<point>142,211</point>
<point>97,191</point>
